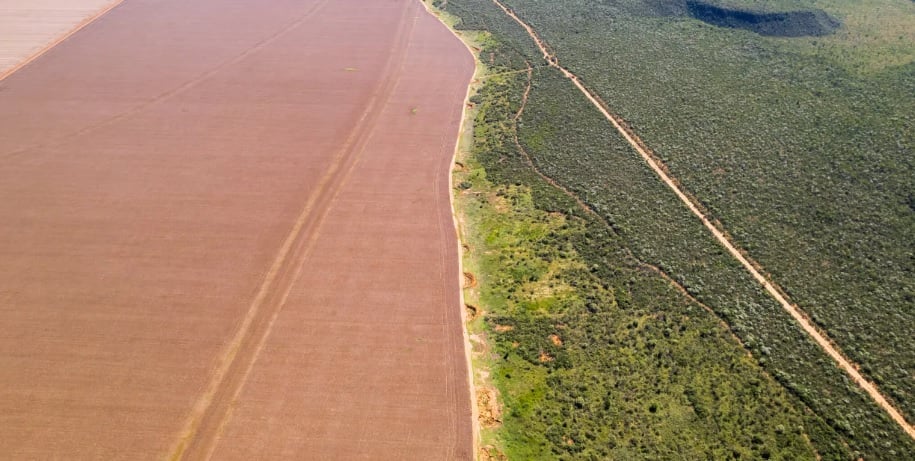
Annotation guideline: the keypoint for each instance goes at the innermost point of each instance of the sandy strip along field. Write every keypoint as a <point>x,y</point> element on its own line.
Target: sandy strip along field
<point>226,234</point>
<point>30,27</point>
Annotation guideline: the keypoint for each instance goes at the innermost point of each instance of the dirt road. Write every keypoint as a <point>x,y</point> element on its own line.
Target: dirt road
<point>227,235</point>
<point>825,343</point>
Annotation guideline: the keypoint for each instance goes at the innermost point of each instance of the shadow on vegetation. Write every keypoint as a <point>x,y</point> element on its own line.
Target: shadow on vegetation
<point>782,24</point>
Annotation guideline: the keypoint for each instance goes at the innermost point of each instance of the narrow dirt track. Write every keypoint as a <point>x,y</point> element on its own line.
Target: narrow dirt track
<point>752,267</point>
<point>228,235</point>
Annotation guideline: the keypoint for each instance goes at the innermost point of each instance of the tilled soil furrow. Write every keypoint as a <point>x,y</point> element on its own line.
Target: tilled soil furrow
<point>204,429</point>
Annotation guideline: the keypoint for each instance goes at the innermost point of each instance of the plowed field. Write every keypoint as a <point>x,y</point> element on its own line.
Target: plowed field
<point>226,234</point>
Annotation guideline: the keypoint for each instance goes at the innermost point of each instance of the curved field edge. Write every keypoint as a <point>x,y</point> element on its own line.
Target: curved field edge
<point>646,372</point>
<point>464,140</point>
<point>49,25</point>
<point>854,423</point>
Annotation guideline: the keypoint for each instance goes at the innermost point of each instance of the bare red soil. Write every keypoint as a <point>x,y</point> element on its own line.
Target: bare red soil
<point>226,234</point>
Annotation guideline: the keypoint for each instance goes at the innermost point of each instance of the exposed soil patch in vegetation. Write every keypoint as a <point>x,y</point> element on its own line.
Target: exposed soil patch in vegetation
<point>472,311</point>
<point>470,280</point>
<point>491,453</point>
<point>813,23</point>
<point>488,404</point>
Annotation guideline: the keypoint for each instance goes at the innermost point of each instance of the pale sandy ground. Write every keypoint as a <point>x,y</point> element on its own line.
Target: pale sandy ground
<point>28,26</point>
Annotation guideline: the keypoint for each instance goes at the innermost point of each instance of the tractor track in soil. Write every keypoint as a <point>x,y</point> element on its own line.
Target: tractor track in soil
<point>245,215</point>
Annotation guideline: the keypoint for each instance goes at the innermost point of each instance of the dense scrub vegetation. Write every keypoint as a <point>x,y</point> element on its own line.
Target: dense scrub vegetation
<point>603,360</point>
<point>810,167</point>
<point>780,200</point>
<point>569,144</point>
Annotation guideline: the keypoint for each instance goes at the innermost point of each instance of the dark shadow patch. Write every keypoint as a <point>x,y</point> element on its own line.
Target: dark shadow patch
<point>667,8</point>
<point>783,24</point>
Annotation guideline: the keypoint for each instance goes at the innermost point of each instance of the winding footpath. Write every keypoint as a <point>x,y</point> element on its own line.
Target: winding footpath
<point>751,266</point>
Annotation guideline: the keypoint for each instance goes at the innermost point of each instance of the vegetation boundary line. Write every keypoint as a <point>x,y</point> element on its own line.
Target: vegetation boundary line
<point>80,26</point>
<point>466,122</point>
<point>796,312</point>
<point>479,74</point>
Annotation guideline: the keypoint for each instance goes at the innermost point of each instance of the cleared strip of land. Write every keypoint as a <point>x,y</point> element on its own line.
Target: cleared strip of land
<point>30,28</point>
<point>751,266</point>
<point>227,235</point>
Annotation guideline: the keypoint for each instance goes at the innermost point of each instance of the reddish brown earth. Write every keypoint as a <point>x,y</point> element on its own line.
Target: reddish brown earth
<point>226,234</point>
